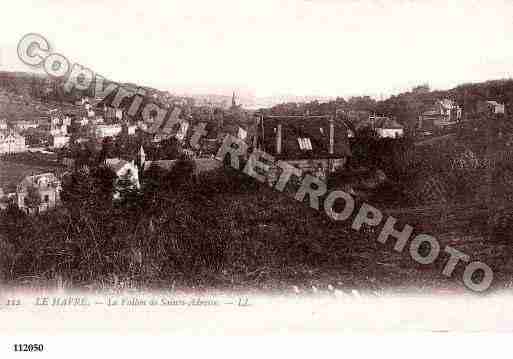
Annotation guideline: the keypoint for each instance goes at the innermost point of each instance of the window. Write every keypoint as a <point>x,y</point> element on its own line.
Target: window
<point>304,143</point>
<point>47,198</point>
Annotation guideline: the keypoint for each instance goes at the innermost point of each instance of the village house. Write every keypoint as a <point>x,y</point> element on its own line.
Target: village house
<point>490,108</point>
<point>66,120</point>
<point>3,201</point>
<point>111,113</point>
<point>444,113</point>
<point>103,131</point>
<point>38,193</point>
<point>126,171</point>
<point>314,144</point>
<point>355,117</point>
<point>58,129</point>
<point>83,121</point>
<point>384,126</point>
<point>131,129</point>
<point>12,142</point>
<point>59,141</point>
<point>25,125</point>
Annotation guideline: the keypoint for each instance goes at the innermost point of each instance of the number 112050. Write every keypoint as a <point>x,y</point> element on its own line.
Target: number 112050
<point>28,347</point>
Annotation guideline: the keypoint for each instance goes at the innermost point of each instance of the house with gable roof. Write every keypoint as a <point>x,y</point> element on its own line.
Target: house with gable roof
<point>385,127</point>
<point>12,142</point>
<point>46,186</point>
<point>314,144</point>
<point>490,108</point>
<point>124,171</point>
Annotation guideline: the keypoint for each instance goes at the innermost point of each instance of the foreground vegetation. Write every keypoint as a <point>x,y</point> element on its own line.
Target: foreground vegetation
<point>220,230</point>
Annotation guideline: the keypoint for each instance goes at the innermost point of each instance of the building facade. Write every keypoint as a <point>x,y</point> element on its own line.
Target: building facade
<point>490,108</point>
<point>103,131</point>
<point>38,193</point>
<point>444,113</point>
<point>25,125</point>
<point>60,141</point>
<point>125,171</point>
<point>12,142</point>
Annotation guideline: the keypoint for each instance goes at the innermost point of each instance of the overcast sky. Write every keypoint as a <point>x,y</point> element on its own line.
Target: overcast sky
<point>272,47</point>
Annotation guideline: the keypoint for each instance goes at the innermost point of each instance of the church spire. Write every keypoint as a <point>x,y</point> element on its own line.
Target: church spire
<point>142,157</point>
<point>234,102</point>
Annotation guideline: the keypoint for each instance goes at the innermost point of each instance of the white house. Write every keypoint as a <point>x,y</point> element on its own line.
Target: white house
<point>24,125</point>
<point>124,170</point>
<point>66,121</point>
<point>60,141</point>
<point>384,126</point>
<point>107,130</point>
<point>12,142</point>
<point>389,128</point>
<point>46,186</point>
<point>132,129</point>
<point>58,130</point>
<point>491,107</point>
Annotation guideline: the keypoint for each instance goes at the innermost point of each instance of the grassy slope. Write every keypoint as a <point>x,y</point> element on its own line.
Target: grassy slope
<point>11,173</point>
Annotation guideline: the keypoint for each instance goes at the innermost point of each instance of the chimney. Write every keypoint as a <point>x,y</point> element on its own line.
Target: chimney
<point>278,140</point>
<point>332,137</point>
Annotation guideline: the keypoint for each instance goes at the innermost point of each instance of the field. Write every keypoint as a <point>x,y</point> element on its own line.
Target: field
<point>329,253</point>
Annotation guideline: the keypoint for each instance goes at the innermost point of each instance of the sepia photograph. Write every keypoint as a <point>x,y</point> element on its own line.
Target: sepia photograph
<point>298,167</point>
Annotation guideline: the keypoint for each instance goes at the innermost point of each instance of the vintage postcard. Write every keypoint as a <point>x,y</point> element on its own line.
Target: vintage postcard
<point>254,168</point>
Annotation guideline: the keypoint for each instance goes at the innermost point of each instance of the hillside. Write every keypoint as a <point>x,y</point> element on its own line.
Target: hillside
<point>407,106</point>
<point>28,96</point>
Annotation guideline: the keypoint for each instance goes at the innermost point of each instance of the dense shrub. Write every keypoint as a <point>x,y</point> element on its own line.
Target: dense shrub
<point>192,232</point>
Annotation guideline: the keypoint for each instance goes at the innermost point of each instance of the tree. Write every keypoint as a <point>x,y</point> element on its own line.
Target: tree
<point>152,183</point>
<point>170,149</point>
<point>108,149</point>
<point>89,188</point>
<point>33,198</point>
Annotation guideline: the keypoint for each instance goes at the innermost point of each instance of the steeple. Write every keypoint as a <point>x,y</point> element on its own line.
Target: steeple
<point>142,157</point>
<point>234,102</point>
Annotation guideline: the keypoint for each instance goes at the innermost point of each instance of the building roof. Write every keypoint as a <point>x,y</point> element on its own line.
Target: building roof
<point>447,103</point>
<point>380,122</point>
<point>387,123</point>
<point>202,164</point>
<point>163,164</point>
<point>116,164</point>
<point>43,180</point>
<point>7,133</point>
<point>494,103</point>
<point>431,113</point>
<point>25,122</point>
